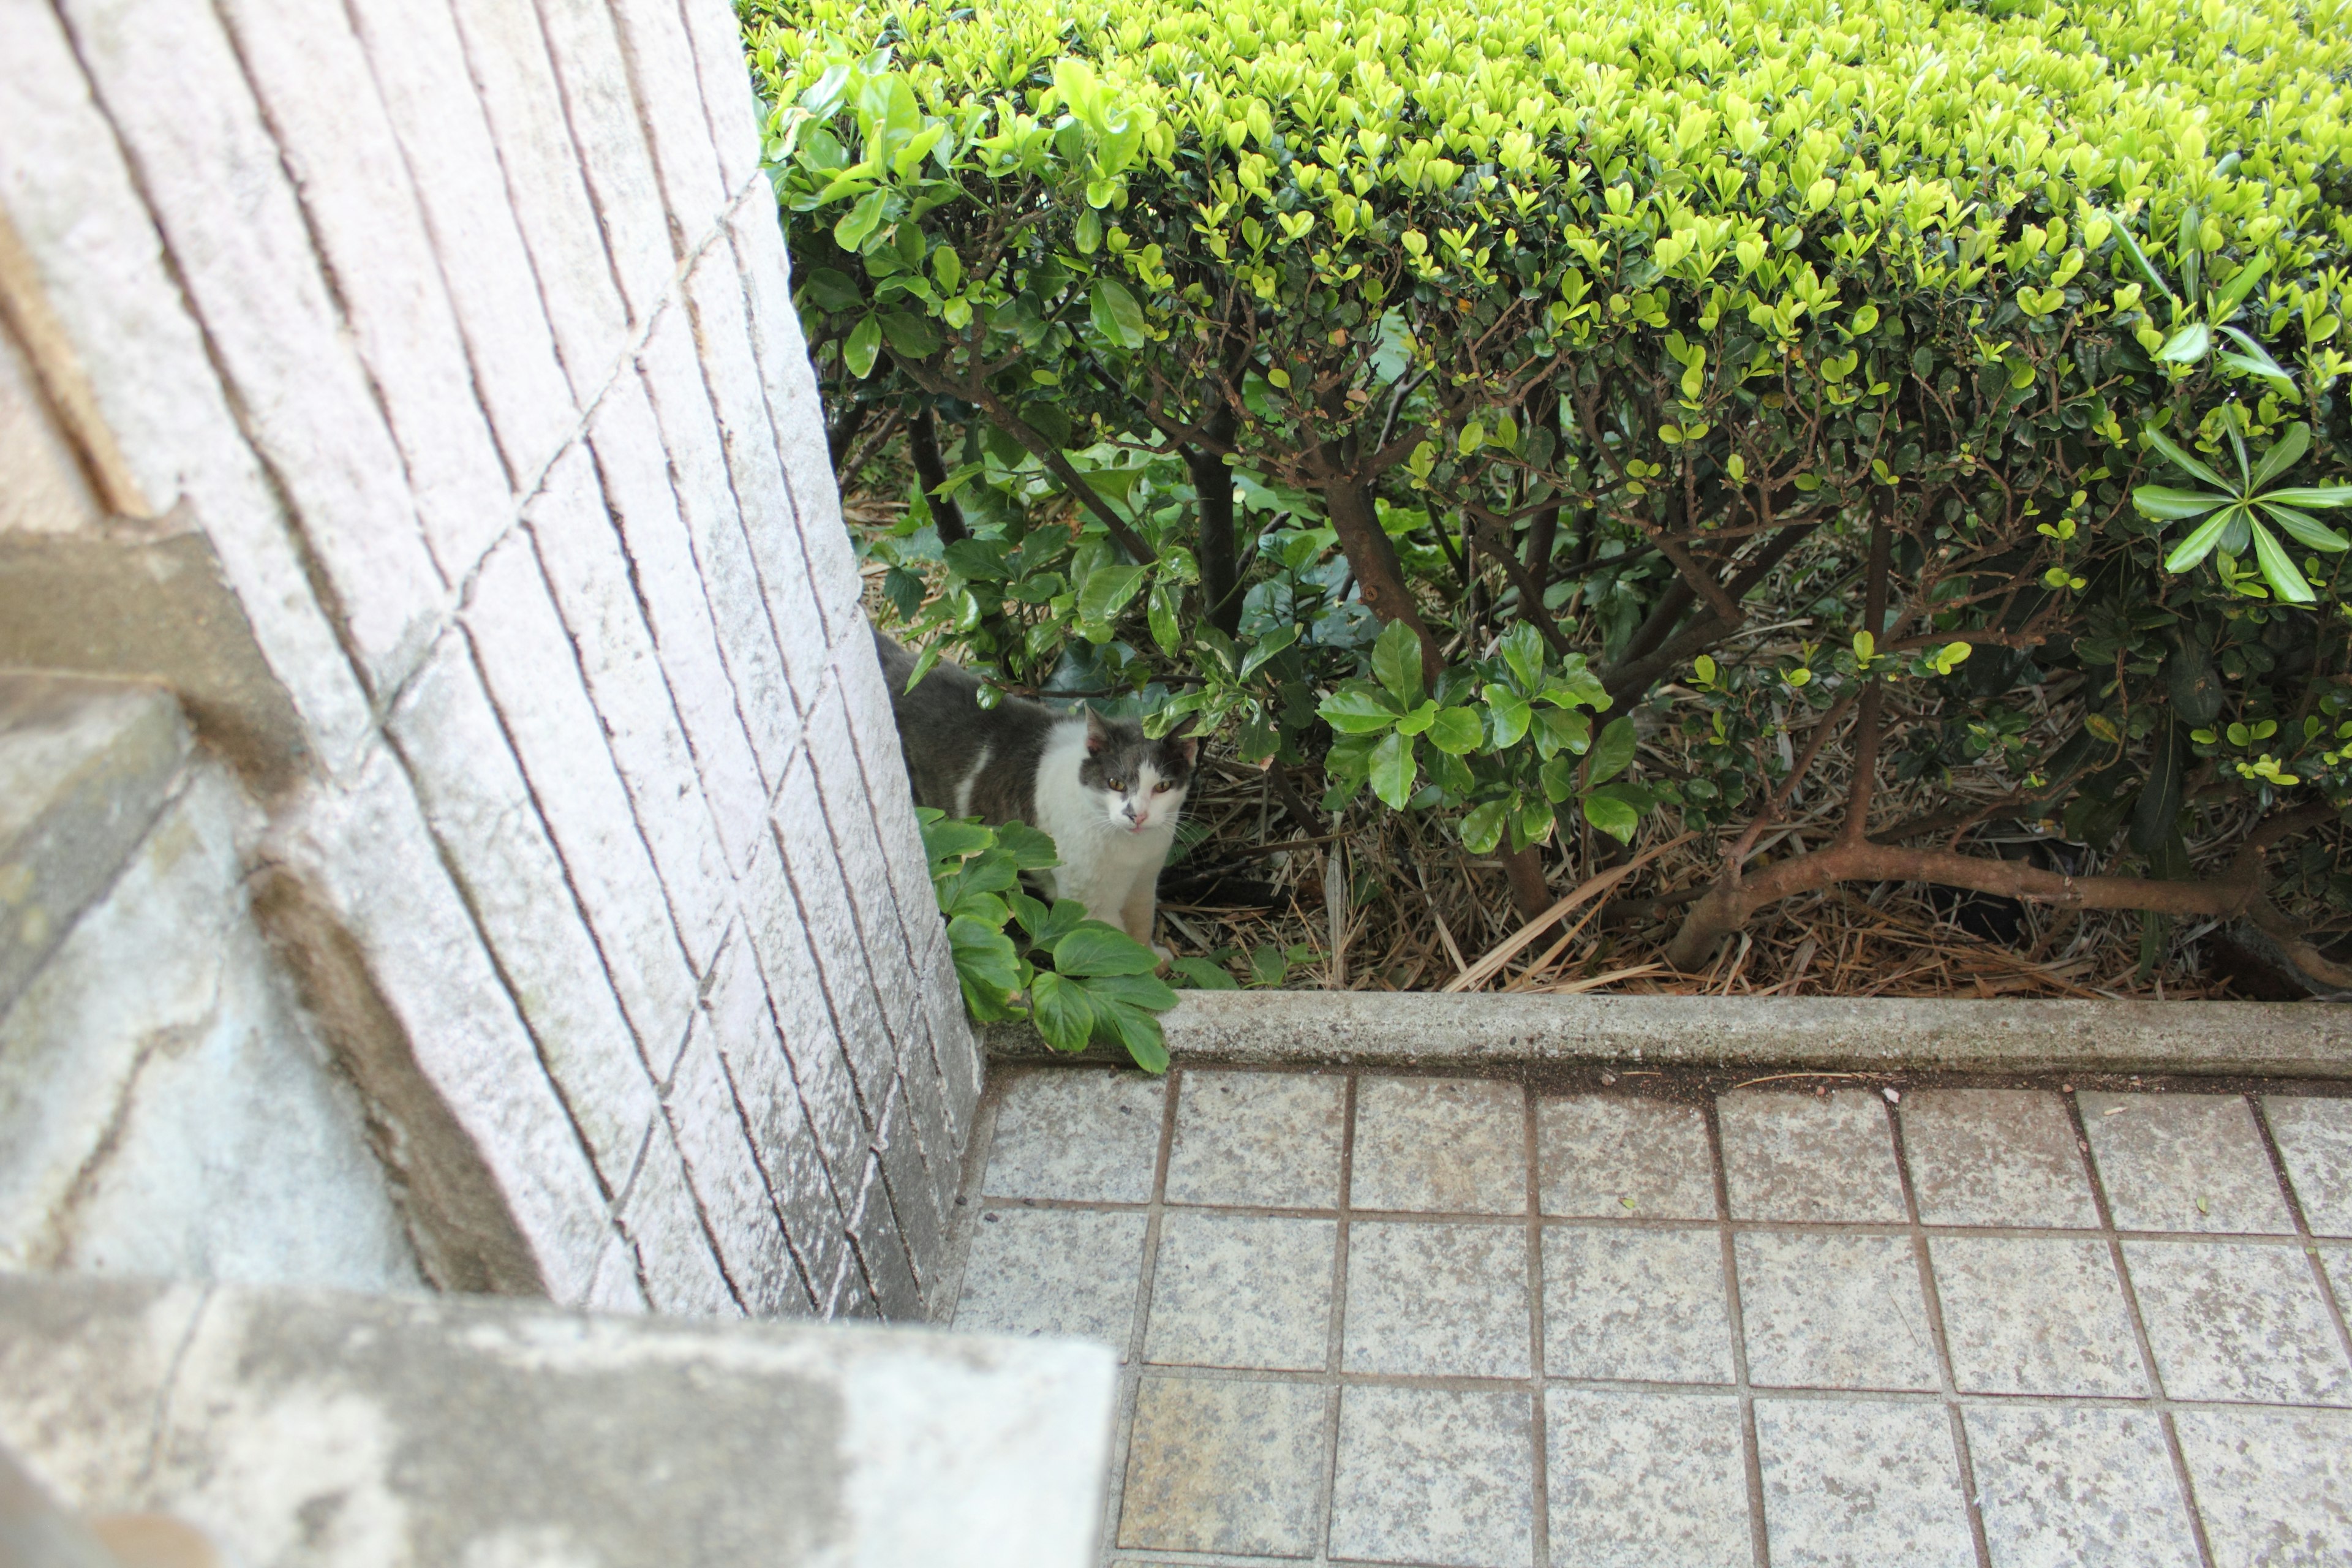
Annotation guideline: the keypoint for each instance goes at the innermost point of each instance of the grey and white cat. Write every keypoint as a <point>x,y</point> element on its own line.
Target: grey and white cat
<point>1109,796</point>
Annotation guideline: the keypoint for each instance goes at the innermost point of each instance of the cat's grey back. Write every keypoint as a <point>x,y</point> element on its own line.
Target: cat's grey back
<point>965,760</point>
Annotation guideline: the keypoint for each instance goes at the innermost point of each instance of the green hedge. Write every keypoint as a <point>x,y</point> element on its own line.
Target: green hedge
<point>1546,335</point>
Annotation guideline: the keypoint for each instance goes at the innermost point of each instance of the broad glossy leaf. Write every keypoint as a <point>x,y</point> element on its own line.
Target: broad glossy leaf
<point>1115,313</point>
<point>1096,949</point>
<point>1359,708</point>
<point>1419,720</point>
<point>1031,848</point>
<point>1559,729</point>
<point>1506,716</point>
<point>2188,345</point>
<point>834,291</point>
<point>1456,731</point>
<point>1482,827</point>
<point>2139,259</point>
<point>2279,569</point>
<point>1063,1013</point>
<point>863,347</point>
<point>911,337</point>
<point>984,954</point>
<point>1106,591</point>
<point>1148,991</point>
<point>1396,660</point>
<point>2258,361</point>
<point>1611,753</point>
<point>1139,1031</point>
<point>2162,500</point>
<point>2305,529</point>
<point>2200,544</point>
<point>1522,649</point>
<point>859,224</point>
<point>1557,777</point>
<point>1266,647</point>
<point>2180,459</point>
<point>2284,454</point>
<point>1612,816</point>
<point>2324,497</point>
<point>1203,976</point>
<point>1393,770</point>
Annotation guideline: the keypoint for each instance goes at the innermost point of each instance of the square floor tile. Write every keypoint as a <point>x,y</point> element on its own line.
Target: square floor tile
<point>1647,1480</point>
<point>1849,1484</point>
<point>1646,1306</point>
<point>1434,1475</point>
<point>1438,1300</point>
<point>2274,1486</point>
<point>1053,1271</point>
<point>1233,1291</point>
<point>2035,1317</point>
<point>1225,1466</point>
<point>1809,1157</point>
<point>1834,1311</point>
<point>1995,1156</point>
<point>1617,1156</point>
<point>2062,1488</point>
<point>1453,1144</point>
<point>2238,1322</point>
<point>1073,1132</point>
<point>1265,1139</point>
<point>2184,1161</point>
<point>2315,1137</point>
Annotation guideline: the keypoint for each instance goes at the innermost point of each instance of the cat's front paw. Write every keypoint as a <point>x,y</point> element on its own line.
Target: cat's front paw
<point>1163,955</point>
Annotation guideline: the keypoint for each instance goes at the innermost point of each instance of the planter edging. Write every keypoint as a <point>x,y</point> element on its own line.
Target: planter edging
<point>1357,1028</point>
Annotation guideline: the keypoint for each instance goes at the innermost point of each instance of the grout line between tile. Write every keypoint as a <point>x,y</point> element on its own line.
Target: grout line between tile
<point>1334,1348</point>
<point>1540,1514</point>
<point>2157,1400</point>
<point>1130,1372</point>
<point>2335,1309</point>
<point>1945,1373</point>
<point>1759,1537</point>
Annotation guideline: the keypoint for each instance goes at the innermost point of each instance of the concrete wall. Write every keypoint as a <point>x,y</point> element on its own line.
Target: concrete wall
<point>442,434</point>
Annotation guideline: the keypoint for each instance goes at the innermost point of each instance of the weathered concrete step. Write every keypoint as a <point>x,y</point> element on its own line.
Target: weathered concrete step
<point>2294,1040</point>
<point>84,766</point>
<point>314,1428</point>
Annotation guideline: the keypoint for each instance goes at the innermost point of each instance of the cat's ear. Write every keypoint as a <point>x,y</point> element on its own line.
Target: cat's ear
<point>1185,743</point>
<point>1098,733</point>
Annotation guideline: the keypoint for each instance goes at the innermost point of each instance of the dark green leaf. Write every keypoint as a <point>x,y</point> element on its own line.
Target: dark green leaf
<point>863,348</point>
<point>1611,753</point>
<point>1064,1013</point>
<point>1396,660</point>
<point>2278,569</point>
<point>1612,816</point>
<point>2159,797</point>
<point>1359,709</point>
<point>1456,731</point>
<point>1116,314</point>
<point>911,337</point>
<point>1203,975</point>
<point>1097,949</point>
<point>2162,502</point>
<point>1393,770</point>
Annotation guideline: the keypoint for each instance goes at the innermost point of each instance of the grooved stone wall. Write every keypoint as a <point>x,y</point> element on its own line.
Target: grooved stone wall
<point>458,334</point>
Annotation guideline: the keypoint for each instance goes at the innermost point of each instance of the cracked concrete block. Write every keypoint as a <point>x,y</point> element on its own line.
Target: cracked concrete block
<point>708,1122</point>
<point>515,82</point>
<point>85,765</point>
<point>722,553</point>
<point>94,249</point>
<point>482,814</point>
<point>726,97</point>
<point>418,65</point>
<point>715,292</point>
<point>330,124</point>
<point>602,112</point>
<point>627,445</point>
<point>590,578</point>
<point>780,940</point>
<point>499,1191</point>
<point>832,929</point>
<point>248,269</point>
<point>530,667</point>
<point>669,101</point>
<point>796,414</point>
<point>306,1427</point>
<point>158,1035</point>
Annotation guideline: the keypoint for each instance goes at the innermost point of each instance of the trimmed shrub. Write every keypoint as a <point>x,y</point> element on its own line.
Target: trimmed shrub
<point>1531,344</point>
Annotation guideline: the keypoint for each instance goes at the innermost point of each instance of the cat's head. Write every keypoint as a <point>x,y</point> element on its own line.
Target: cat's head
<point>1142,781</point>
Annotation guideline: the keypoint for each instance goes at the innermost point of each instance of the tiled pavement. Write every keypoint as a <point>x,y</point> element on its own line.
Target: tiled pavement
<point>2002,1327</point>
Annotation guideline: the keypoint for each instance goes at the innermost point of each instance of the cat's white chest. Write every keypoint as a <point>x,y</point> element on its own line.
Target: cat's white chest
<point>1101,861</point>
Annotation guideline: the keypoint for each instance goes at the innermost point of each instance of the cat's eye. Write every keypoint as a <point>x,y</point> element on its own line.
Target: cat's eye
<point>1118,787</point>
<point>1162,787</point>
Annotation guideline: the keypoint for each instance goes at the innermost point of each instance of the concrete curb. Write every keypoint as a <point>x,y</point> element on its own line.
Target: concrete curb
<point>2296,1039</point>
